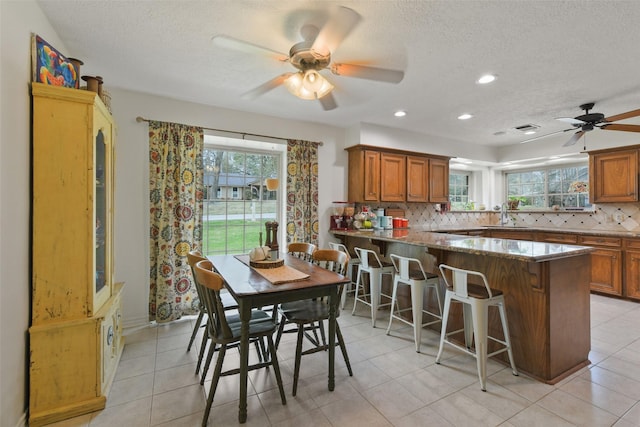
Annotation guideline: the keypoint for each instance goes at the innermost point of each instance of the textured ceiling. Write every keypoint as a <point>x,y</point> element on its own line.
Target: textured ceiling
<point>550,57</point>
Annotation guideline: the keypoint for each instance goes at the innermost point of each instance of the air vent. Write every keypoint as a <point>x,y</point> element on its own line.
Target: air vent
<point>527,128</point>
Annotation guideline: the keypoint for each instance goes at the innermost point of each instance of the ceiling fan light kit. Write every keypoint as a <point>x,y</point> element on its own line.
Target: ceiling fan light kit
<point>312,55</point>
<point>308,84</point>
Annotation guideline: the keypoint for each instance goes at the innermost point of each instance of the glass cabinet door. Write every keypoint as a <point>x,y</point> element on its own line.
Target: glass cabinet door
<point>100,211</point>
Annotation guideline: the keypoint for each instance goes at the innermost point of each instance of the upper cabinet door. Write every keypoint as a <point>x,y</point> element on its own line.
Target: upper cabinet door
<point>613,176</point>
<point>371,176</point>
<point>364,175</point>
<point>393,173</point>
<point>417,179</point>
<point>438,180</point>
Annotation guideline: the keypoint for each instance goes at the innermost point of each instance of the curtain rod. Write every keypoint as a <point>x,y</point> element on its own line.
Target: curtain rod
<point>140,119</point>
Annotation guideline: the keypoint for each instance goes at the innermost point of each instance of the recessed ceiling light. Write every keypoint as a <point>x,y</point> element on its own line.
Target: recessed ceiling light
<point>487,78</point>
<point>400,113</point>
<point>465,116</point>
<point>530,132</point>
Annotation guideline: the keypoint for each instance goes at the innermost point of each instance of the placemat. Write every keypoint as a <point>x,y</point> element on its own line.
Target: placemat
<point>284,274</point>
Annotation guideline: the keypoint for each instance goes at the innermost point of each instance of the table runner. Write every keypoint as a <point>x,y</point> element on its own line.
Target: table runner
<point>284,274</point>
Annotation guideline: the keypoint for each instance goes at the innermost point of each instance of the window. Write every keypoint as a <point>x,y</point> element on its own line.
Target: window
<point>458,190</point>
<point>566,187</point>
<point>237,202</point>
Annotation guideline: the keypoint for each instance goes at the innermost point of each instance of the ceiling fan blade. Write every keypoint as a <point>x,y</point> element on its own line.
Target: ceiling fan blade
<point>266,87</point>
<point>337,28</point>
<point>576,136</point>
<point>623,127</point>
<point>571,120</point>
<point>544,136</point>
<point>246,47</point>
<point>370,73</point>
<point>622,116</point>
<point>328,102</point>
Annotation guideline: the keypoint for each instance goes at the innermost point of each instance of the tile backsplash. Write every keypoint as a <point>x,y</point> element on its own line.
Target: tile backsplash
<point>611,217</point>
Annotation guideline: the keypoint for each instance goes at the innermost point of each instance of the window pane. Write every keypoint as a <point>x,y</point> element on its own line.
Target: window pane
<point>543,188</point>
<point>237,203</point>
<point>458,190</point>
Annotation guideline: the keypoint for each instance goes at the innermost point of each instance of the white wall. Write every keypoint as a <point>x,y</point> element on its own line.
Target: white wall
<point>18,20</point>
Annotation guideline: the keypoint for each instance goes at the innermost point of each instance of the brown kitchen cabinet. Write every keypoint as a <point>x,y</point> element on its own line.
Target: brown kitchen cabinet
<point>570,239</point>
<point>613,175</point>
<point>515,234</point>
<point>393,177</point>
<point>417,179</point>
<point>378,174</point>
<point>438,180</point>
<point>606,263</point>
<point>632,268</point>
<point>364,176</point>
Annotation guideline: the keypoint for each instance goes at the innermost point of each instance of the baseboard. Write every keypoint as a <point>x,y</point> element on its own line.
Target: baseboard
<point>138,322</point>
<point>22,422</point>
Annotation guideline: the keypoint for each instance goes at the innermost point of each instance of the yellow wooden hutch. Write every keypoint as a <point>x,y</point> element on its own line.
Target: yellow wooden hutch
<point>75,334</point>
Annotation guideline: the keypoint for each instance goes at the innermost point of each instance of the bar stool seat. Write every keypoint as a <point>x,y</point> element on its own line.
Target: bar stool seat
<point>353,261</point>
<point>371,264</point>
<point>409,271</point>
<point>476,300</point>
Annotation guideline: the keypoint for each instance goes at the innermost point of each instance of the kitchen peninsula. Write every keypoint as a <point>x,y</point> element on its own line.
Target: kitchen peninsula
<point>546,289</point>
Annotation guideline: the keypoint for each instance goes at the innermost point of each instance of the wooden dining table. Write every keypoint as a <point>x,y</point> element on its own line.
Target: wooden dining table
<point>253,290</point>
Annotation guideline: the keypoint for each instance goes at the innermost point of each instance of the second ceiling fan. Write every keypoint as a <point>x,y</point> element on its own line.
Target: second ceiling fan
<point>590,121</point>
<point>310,57</point>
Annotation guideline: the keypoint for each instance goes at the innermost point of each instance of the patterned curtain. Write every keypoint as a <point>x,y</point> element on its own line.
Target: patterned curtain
<point>176,195</point>
<point>302,191</point>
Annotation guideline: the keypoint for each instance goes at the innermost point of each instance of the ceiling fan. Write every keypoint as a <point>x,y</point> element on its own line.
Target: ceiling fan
<point>310,57</point>
<point>589,121</point>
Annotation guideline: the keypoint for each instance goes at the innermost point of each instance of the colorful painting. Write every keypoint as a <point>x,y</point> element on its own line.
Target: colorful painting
<point>50,66</point>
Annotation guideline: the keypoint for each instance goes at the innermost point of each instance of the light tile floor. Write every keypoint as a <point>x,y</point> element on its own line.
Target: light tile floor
<point>155,383</point>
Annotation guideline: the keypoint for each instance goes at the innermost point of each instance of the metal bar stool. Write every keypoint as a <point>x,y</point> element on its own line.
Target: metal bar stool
<point>352,262</point>
<point>476,300</point>
<point>409,271</point>
<point>370,263</point>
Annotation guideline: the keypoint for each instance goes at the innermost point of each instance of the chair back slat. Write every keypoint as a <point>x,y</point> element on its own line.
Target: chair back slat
<point>368,258</point>
<point>402,265</point>
<point>460,280</point>
<point>211,283</point>
<point>301,250</point>
<point>331,259</point>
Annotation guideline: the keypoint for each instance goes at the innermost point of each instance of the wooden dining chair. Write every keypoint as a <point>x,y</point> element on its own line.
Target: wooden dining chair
<point>193,258</point>
<point>307,313</point>
<point>229,303</point>
<point>302,250</point>
<point>226,333</point>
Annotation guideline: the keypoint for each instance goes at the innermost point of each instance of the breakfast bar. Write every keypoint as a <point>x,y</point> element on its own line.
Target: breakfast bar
<point>546,289</point>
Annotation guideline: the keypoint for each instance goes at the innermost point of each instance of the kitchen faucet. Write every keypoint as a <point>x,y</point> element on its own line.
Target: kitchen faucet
<point>504,215</point>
